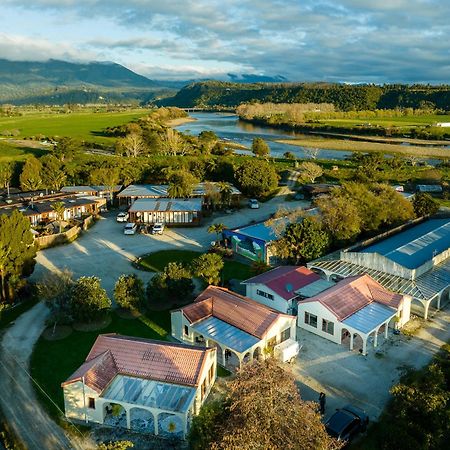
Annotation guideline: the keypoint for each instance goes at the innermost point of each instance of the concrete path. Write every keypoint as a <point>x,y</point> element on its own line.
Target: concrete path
<point>364,381</point>
<point>18,400</point>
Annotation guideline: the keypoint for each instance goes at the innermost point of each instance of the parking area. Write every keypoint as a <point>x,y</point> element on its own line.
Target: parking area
<point>105,251</point>
<point>364,381</point>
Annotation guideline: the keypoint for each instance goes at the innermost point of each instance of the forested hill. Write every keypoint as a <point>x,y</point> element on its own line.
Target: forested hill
<point>59,82</point>
<point>344,97</point>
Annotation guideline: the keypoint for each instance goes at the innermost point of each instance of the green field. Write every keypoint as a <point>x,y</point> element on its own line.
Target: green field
<point>10,152</point>
<point>86,126</point>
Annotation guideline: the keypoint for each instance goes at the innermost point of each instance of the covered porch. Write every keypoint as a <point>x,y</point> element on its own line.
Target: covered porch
<point>234,346</point>
<point>366,325</point>
<point>148,406</point>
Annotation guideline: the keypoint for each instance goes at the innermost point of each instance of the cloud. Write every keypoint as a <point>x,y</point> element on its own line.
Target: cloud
<point>336,40</point>
<point>24,48</point>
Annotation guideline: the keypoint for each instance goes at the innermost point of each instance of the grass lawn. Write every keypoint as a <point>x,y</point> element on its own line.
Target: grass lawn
<point>53,361</point>
<point>156,262</point>
<point>9,153</point>
<point>87,126</point>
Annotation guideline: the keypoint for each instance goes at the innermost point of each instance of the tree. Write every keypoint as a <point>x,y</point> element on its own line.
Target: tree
<point>340,217</point>
<point>181,184</point>
<point>260,147</point>
<point>31,176</point>
<point>172,143</point>
<point>66,148</point>
<point>218,229</point>
<point>424,204</point>
<point>129,292</point>
<point>133,145</point>
<point>309,171</point>
<point>115,445</point>
<point>303,241</point>
<point>225,190</point>
<point>53,175</point>
<point>311,153</point>
<point>108,177</point>
<point>173,283</point>
<point>89,300</point>
<point>261,409</point>
<point>256,177</point>
<point>56,290</point>
<point>59,208</point>
<point>208,267</point>
<point>17,252</point>
<point>6,173</point>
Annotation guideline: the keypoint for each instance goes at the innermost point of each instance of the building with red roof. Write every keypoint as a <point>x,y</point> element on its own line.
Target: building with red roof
<point>239,327</point>
<point>354,310</point>
<point>140,384</point>
<point>282,287</point>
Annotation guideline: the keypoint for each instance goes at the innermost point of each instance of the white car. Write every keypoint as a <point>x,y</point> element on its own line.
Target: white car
<point>122,217</point>
<point>130,228</point>
<point>158,228</point>
<point>253,203</point>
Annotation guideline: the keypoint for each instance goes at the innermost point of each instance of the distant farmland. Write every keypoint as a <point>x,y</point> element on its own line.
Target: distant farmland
<point>85,126</point>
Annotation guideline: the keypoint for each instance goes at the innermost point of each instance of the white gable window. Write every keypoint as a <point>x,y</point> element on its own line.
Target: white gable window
<point>311,319</point>
<point>264,294</point>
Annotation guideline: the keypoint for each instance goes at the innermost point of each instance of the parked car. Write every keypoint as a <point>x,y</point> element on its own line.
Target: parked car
<point>130,228</point>
<point>122,217</point>
<point>346,423</point>
<point>253,203</point>
<point>158,228</point>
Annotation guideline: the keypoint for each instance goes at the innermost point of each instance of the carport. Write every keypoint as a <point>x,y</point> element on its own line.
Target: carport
<point>369,321</point>
<point>228,339</point>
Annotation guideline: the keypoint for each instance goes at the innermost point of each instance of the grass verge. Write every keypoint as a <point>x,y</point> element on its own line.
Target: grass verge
<point>155,262</point>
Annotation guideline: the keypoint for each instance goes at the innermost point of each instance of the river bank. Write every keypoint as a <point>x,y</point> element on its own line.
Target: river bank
<point>365,146</point>
<point>180,121</point>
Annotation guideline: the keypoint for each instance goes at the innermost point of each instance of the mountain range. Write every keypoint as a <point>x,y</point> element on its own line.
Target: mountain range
<point>59,82</point>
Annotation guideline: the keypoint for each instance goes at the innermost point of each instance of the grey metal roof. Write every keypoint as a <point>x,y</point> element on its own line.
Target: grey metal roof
<point>77,189</point>
<point>166,204</point>
<point>370,317</point>
<point>225,334</point>
<point>314,288</point>
<point>155,394</point>
<point>160,190</point>
<point>424,287</point>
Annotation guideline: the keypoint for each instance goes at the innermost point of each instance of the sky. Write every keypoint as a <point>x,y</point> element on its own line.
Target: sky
<point>303,40</point>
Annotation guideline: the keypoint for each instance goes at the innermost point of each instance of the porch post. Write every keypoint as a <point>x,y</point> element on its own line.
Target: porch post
<point>223,358</point>
<point>364,349</point>
<point>351,341</point>
<point>375,338</point>
<point>128,415</point>
<point>386,329</point>
<point>426,306</point>
<point>155,423</point>
<point>184,425</point>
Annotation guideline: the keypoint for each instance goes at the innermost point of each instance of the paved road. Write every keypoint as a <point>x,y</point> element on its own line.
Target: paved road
<point>18,400</point>
<point>106,252</point>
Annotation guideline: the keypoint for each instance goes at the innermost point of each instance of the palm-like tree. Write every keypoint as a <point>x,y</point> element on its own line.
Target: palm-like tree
<point>225,190</point>
<point>59,209</point>
<point>218,229</point>
<point>175,190</point>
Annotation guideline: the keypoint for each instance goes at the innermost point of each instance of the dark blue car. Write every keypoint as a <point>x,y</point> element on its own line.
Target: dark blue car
<point>347,422</point>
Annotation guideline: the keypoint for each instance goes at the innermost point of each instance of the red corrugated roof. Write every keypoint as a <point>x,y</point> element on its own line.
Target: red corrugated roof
<point>113,354</point>
<point>285,280</point>
<point>353,293</point>
<point>235,309</point>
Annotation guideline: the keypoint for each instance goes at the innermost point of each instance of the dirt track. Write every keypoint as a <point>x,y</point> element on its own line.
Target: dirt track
<point>18,400</point>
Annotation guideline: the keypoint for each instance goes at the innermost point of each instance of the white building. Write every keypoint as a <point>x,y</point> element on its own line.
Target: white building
<point>281,288</point>
<point>239,327</point>
<point>355,310</point>
<point>143,385</point>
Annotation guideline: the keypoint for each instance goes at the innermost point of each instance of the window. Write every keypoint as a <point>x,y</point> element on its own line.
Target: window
<point>285,334</point>
<point>311,319</point>
<point>203,390</point>
<point>186,330</point>
<point>211,373</point>
<point>264,294</point>
<point>327,326</point>
<point>91,403</point>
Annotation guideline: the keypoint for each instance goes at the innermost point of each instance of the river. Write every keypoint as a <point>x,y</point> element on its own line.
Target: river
<point>228,127</point>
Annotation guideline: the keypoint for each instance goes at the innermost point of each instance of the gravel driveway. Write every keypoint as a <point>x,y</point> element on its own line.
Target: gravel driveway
<point>364,381</point>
